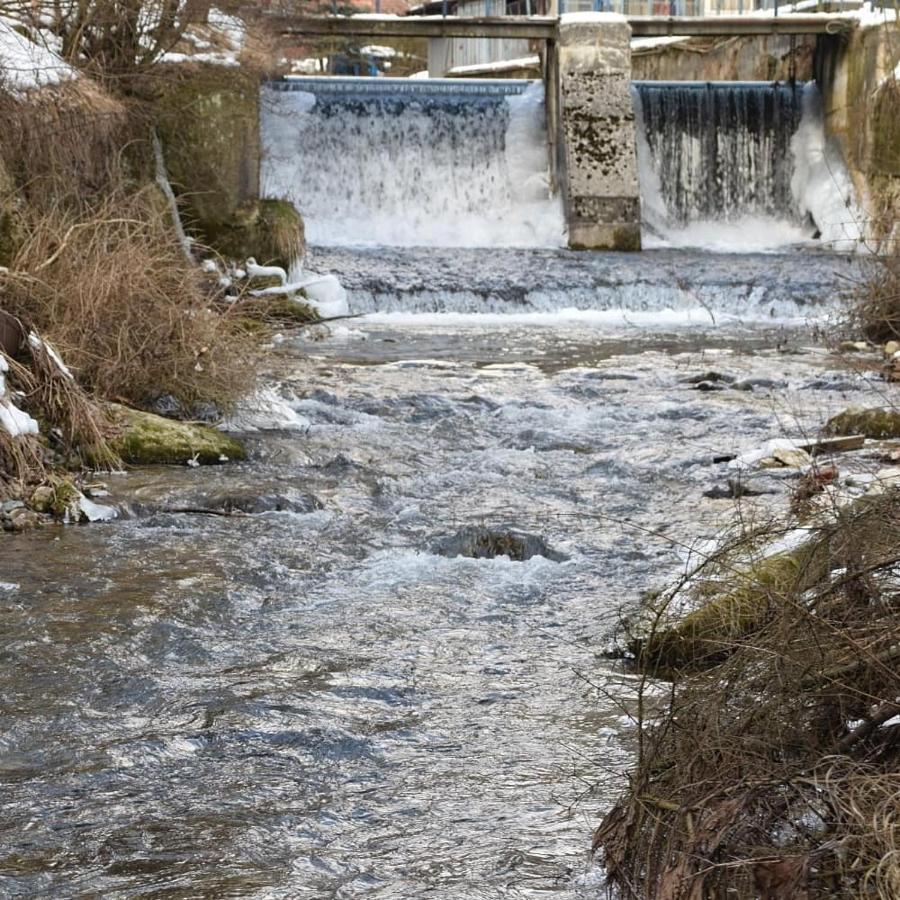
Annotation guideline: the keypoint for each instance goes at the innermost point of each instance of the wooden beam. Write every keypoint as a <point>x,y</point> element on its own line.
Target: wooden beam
<point>659,26</point>
<point>545,27</point>
<point>415,26</point>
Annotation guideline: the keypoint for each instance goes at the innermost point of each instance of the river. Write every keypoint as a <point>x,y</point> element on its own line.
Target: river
<point>314,702</point>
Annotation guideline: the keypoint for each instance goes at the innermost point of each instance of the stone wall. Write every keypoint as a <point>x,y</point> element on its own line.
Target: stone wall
<point>599,172</point>
<point>751,58</point>
<point>208,121</point>
<point>862,110</point>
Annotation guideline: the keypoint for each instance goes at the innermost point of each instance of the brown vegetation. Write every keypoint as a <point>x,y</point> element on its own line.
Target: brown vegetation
<point>113,292</point>
<point>875,312</point>
<point>773,771</point>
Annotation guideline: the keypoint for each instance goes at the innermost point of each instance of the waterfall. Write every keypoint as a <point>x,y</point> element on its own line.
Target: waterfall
<point>739,166</point>
<point>401,162</point>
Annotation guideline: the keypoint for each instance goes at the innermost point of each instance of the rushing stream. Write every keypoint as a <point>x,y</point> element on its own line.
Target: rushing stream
<point>314,702</point>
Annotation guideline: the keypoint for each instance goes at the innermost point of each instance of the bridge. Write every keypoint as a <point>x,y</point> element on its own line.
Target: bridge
<point>587,76</point>
<point>546,28</point>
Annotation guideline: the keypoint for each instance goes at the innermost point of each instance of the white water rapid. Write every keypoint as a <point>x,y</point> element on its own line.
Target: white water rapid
<point>394,162</point>
<point>740,167</point>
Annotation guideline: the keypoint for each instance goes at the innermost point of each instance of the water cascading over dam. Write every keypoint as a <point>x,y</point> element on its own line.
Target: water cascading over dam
<point>739,162</point>
<point>721,150</point>
<point>399,162</point>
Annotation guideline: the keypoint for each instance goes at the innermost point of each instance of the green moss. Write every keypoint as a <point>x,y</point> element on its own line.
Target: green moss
<point>879,422</point>
<point>885,158</point>
<point>271,231</point>
<point>208,121</point>
<point>64,502</point>
<point>703,635</point>
<point>147,439</point>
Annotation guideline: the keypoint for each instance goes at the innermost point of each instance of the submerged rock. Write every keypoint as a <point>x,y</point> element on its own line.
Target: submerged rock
<point>478,542</point>
<point>253,504</point>
<point>22,519</point>
<point>147,439</point>
<point>735,488</point>
<point>720,378</point>
<point>878,422</point>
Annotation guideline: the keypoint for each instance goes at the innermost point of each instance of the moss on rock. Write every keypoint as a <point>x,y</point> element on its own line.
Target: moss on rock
<point>877,423</point>
<point>703,635</point>
<point>271,231</point>
<point>147,439</point>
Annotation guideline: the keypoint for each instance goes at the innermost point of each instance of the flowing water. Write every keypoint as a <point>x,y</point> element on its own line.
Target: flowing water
<point>315,698</point>
<point>312,701</point>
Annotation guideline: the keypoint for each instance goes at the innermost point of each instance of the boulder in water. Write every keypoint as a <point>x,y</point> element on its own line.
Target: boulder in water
<point>147,439</point>
<point>877,423</point>
<point>253,504</point>
<point>479,542</point>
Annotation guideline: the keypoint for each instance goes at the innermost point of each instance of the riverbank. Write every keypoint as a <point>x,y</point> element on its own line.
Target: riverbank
<point>771,768</point>
<point>126,296</point>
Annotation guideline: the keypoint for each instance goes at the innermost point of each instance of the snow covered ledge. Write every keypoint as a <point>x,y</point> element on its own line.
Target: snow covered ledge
<point>599,177</point>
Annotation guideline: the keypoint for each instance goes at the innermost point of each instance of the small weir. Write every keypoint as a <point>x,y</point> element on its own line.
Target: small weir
<point>739,166</point>
<point>720,150</point>
<point>393,161</point>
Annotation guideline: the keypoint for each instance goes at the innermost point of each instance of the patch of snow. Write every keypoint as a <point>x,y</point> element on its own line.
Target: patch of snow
<point>788,542</point>
<point>230,26</point>
<point>25,65</point>
<point>503,65</point>
<point>14,421</point>
<point>378,51</point>
<point>326,295</point>
<point>254,270</point>
<point>751,457</point>
<point>218,59</point>
<point>648,43</point>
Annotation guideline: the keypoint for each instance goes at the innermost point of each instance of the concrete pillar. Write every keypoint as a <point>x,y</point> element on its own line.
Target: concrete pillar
<point>599,177</point>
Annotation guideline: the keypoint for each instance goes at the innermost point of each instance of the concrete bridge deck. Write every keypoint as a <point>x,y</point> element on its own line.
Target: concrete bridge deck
<point>547,28</point>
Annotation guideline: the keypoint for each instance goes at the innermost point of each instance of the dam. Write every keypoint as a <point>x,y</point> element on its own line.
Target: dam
<point>459,163</point>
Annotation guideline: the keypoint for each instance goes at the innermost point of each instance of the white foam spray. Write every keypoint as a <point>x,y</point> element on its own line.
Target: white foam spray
<point>396,162</point>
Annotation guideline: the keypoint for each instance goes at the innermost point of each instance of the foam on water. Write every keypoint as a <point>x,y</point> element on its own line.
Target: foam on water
<point>395,162</point>
<point>657,287</point>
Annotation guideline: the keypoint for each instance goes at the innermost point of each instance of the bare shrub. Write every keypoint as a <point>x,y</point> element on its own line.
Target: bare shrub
<point>63,144</point>
<point>113,39</point>
<point>111,290</point>
<point>773,772</point>
<point>875,312</point>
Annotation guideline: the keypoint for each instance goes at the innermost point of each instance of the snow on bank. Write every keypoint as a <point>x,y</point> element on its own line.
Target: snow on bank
<point>14,421</point>
<point>26,65</point>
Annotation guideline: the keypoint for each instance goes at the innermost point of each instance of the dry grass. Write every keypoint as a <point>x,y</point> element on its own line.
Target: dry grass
<point>875,313</point>
<point>65,144</point>
<point>110,288</point>
<point>771,773</point>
